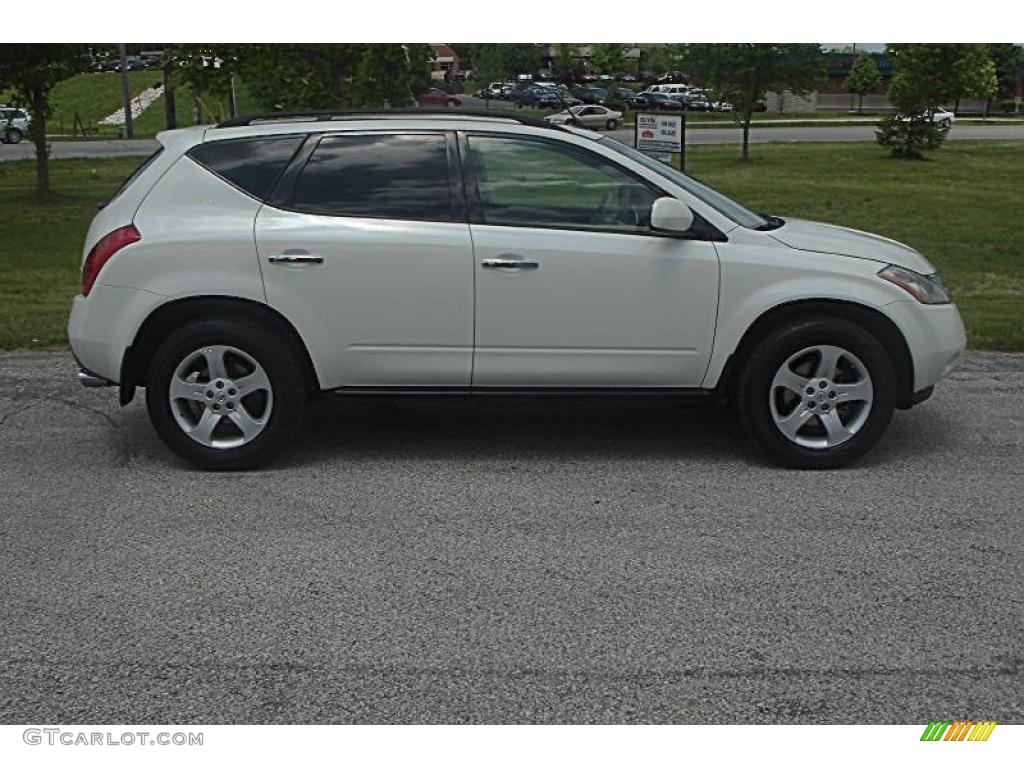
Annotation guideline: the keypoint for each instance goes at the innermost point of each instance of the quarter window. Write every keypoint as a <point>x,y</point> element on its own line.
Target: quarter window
<point>252,165</point>
<point>394,176</point>
<point>528,183</point>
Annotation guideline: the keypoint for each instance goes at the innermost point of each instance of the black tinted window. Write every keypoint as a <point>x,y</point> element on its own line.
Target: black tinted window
<point>383,176</point>
<point>250,164</point>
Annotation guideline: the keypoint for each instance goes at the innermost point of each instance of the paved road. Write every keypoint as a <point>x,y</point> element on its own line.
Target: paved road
<point>453,562</point>
<point>121,148</point>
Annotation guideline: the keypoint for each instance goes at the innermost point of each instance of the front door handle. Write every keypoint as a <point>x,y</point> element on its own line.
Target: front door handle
<point>295,258</point>
<point>508,264</point>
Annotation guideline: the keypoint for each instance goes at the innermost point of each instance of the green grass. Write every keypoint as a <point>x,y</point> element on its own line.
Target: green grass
<point>40,258</point>
<point>961,208</point>
<point>94,95</point>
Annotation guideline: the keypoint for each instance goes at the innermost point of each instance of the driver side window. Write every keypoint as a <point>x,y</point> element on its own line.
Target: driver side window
<point>530,183</point>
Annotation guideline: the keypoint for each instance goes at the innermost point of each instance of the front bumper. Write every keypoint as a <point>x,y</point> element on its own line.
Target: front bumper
<point>936,338</point>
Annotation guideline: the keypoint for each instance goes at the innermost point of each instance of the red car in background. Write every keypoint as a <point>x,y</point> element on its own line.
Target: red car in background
<point>435,97</point>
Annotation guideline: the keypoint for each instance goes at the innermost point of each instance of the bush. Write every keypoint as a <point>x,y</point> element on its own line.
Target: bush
<point>909,136</point>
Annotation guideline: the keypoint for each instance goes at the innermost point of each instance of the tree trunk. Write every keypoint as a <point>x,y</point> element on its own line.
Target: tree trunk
<point>860,104</point>
<point>170,112</point>
<point>956,106</point>
<point>746,137</point>
<point>38,131</point>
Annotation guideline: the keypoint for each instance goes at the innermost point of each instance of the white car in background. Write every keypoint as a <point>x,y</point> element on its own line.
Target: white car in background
<point>251,266</point>
<point>942,115</point>
<point>939,115</point>
<point>592,116</point>
<point>14,124</point>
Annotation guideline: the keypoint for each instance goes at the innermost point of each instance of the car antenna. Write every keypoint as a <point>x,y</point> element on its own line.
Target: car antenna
<point>572,118</point>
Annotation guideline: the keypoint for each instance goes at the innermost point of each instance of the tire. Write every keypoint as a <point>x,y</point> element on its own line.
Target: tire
<point>216,407</point>
<point>612,124</point>
<point>451,103</point>
<point>855,397</point>
<point>14,135</point>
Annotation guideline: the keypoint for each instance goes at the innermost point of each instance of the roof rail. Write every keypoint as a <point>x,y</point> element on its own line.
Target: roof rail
<point>326,115</point>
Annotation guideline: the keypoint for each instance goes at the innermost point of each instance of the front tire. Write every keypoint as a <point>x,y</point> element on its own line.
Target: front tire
<point>14,135</point>
<point>612,124</point>
<point>224,394</point>
<point>817,393</point>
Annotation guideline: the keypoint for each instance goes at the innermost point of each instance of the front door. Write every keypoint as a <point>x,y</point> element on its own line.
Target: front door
<point>573,288</point>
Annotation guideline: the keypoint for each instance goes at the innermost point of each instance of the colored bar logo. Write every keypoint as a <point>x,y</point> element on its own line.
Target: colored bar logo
<point>958,730</point>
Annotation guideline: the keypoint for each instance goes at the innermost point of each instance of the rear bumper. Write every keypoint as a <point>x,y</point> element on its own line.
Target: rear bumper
<point>103,325</point>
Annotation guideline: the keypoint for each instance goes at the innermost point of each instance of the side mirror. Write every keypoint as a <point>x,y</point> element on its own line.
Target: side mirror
<point>671,215</point>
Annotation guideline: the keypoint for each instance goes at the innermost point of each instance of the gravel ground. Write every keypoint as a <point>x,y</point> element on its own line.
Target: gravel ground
<point>424,561</point>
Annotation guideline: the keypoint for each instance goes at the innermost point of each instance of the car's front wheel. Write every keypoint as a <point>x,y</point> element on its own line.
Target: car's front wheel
<point>225,394</point>
<point>817,393</point>
<point>612,124</point>
<point>13,136</point>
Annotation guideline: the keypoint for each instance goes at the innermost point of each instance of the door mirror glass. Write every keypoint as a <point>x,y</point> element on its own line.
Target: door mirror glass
<point>671,215</point>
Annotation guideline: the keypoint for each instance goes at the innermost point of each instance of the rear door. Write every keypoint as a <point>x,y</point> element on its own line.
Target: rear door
<point>364,246</point>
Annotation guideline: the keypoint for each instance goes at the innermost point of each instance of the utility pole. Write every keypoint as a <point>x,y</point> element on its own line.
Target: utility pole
<point>126,93</point>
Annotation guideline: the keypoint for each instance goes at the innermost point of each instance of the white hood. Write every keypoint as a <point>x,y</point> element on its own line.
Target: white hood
<point>827,238</point>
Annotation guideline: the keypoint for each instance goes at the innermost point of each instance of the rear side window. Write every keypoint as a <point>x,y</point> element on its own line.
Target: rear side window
<point>377,176</point>
<point>252,165</point>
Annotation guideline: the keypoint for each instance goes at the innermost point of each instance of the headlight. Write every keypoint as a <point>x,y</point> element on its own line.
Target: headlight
<point>928,289</point>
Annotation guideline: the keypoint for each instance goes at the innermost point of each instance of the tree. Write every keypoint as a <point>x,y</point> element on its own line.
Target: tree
<point>743,73</point>
<point>566,62</point>
<point>974,73</point>
<point>1008,59</point>
<point>926,76</point>
<point>864,78</point>
<point>296,76</point>
<point>608,58</point>
<point>31,70</point>
<point>661,57</point>
<point>387,74</point>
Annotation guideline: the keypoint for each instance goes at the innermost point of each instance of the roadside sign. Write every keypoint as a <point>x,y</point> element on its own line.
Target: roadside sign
<point>661,135</point>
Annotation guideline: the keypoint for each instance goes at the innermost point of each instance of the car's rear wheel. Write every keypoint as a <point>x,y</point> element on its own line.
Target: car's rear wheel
<point>612,124</point>
<point>13,136</point>
<point>817,393</point>
<point>225,395</point>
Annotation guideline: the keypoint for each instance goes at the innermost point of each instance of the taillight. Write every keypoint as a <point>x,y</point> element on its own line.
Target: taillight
<point>103,250</point>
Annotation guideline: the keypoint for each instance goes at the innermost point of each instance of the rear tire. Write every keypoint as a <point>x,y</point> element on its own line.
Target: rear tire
<point>226,395</point>
<point>817,393</point>
<point>14,136</point>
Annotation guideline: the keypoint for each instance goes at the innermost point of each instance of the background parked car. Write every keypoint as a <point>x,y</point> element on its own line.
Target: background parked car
<point>648,100</point>
<point>14,124</point>
<point>436,97</point>
<point>590,95</point>
<point>592,116</point>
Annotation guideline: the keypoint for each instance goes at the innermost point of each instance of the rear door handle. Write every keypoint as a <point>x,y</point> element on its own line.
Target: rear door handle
<point>508,264</point>
<point>295,258</point>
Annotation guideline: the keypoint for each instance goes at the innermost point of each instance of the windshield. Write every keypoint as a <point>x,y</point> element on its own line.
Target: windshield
<point>702,192</point>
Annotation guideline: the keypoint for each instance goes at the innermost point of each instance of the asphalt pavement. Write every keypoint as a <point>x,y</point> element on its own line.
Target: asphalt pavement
<point>729,135</point>
<point>419,562</point>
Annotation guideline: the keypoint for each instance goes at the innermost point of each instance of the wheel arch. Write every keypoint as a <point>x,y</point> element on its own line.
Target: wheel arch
<point>869,318</point>
<point>173,314</point>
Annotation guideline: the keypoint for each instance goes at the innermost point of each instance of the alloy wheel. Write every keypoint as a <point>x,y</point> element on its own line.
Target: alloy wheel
<point>821,396</point>
<point>220,396</point>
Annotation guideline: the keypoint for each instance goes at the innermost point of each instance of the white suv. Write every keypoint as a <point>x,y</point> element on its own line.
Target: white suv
<point>247,267</point>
